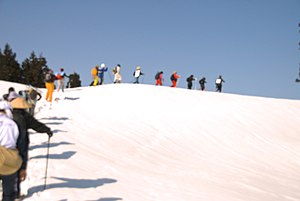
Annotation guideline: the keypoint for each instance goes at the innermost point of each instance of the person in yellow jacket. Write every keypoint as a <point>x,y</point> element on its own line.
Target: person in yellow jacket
<point>50,78</point>
<point>95,78</point>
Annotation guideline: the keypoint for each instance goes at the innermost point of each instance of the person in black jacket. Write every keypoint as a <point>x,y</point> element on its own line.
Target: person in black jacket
<point>219,82</point>
<point>25,121</point>
<point>190,81</point>
<point>202,82</point>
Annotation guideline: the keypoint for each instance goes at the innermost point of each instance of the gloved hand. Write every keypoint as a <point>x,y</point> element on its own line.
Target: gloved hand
<point>50,133</point>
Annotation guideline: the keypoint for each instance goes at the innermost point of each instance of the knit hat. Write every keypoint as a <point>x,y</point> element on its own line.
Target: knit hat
<point>20,103</point>
<point>10,161</point>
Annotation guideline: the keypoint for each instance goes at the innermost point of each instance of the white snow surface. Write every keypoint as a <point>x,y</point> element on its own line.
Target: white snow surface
<point>150,143</point>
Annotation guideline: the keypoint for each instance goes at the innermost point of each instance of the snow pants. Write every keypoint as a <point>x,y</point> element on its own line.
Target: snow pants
<point>158,82</point>
<point>50,89</point>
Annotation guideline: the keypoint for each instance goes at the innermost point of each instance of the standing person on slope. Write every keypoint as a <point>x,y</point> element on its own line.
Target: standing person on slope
<point>10,160</point>
<point>137,73</point>
<point>101,71</point>
<point>219,82</point>
<point>50,78</point>
<point>190,80</point>
<point>202,82</point>
<point>60,76</point>
<point>174,77</point>
<point>95,78</point>
<point>159,78</point>
<point>25,121</point>
<point>116,72</point>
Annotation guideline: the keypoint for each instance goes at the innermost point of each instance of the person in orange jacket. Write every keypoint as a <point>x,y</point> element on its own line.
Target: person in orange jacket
<point>95,78</point>
<point>174,78</point>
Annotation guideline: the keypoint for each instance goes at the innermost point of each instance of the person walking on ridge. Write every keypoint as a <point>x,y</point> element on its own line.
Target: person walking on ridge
<point>95,78</point>
<point>219,82</point>
<point>60,76</point>
<point>190,80</point>
<point>174,77</point>
<point>137,73</point>
<point>202,82</point>
<point>101,71</point>
<point>116,72</point>
<point>159,78</point>
<point>50,78</point>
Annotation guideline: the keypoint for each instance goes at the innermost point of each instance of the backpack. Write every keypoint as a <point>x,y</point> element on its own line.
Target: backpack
<point>114,70</point>
<point>172,77</point>
<point>48,77</point>
<point>10,161</point>
<point>157,75</point>
<point>218,81</point>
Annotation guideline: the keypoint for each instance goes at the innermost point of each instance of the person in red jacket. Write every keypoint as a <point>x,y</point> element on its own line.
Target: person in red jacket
<point>159,78</point>
<point>174,78</point>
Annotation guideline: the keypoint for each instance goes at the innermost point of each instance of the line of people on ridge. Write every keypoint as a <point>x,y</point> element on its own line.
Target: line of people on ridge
<point>98,77</point>
<point>15,120</point>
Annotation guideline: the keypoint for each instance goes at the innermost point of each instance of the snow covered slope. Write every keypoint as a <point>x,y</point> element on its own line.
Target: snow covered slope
<point>149,143</point>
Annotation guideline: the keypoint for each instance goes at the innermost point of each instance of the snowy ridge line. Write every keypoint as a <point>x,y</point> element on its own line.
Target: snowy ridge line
<point>142,142</point>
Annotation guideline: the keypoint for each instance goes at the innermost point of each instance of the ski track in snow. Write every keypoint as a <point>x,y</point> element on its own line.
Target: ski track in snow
<point>143,142</point>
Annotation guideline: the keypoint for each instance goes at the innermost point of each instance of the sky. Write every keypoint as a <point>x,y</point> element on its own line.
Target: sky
<point>131,152</point>
<point>252,44</point>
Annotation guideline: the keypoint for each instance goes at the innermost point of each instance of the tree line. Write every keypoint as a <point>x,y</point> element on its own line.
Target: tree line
<point>31,71</point>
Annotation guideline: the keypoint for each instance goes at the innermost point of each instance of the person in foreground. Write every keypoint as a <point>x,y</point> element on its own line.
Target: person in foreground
<point>10,160</point>
<point>25,121</point>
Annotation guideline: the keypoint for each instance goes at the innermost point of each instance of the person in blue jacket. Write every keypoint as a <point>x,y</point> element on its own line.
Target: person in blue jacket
<point>101,71</point>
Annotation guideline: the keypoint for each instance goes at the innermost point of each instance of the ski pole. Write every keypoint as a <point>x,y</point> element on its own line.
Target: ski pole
<point>46,171</point>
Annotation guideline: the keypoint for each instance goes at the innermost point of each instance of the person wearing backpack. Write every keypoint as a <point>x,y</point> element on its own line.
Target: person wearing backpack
<point>174,77</point>
<point>219,82</point>
<point>10,160</point>
<point>60,76</point>
<point>25,121</point>
<point>101,71</point>
<point>159,78</point>
<point>202,82</point>
<point>190,80</point>
<point>137,73</point>
<point>116,72</point>
<point>49,79</point>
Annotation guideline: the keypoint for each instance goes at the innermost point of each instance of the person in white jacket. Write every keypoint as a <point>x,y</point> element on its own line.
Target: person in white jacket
<point>117,72</point>
<point>10,160</point>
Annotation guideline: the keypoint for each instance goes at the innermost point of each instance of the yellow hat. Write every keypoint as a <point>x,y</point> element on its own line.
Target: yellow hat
<point>20,103</point>
<point>138,68</point>
<point>10,161</point>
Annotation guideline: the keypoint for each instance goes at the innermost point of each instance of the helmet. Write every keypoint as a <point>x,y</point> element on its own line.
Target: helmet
<point>102,65</point>
<point>138,68</point>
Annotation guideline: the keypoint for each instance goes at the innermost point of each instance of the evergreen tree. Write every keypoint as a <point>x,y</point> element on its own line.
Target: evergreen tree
<point>9,67</point>
<point>74,81</point>
<point>34,70</point>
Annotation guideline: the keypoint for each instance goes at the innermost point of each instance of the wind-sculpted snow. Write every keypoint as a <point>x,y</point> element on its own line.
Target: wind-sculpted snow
<point>149,143</point>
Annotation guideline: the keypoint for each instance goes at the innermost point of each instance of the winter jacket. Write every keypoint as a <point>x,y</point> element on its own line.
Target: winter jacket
<point>26,121</point>
<point>9,132</point>
<point>101,71</point>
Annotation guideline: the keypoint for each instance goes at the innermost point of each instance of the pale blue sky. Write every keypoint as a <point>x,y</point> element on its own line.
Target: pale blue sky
<point>252,43</point>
